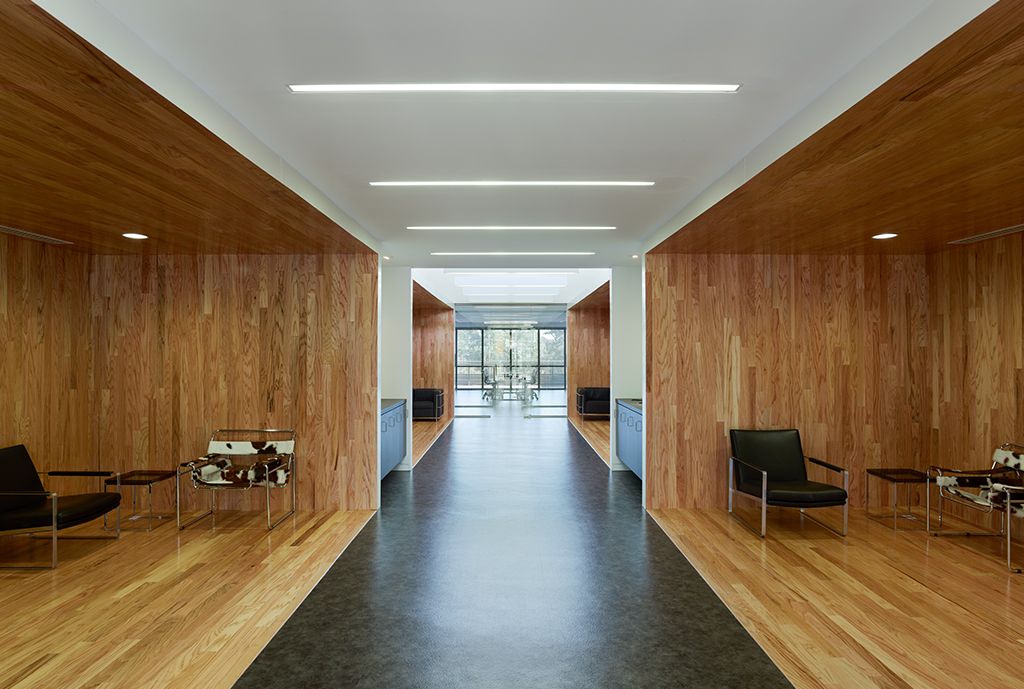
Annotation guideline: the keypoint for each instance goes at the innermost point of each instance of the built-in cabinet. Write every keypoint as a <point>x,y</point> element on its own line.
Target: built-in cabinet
<point>629,426</point>
<point>392,434</point>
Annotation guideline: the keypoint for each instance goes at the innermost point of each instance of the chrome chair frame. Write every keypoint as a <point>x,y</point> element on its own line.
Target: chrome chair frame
<point>763,499</point>
<point>1012,496</point>
<point>190,467</point>
<point>32,531</point>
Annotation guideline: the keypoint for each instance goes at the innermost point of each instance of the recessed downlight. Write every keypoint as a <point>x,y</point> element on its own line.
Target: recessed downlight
<point>513,88</point>
<point>885,235</point>
<point>635,256</point>
<point>134,235</point>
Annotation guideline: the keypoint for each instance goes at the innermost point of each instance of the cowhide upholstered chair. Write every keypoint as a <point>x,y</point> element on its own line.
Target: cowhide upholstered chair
<point>770,466</point>
<point>999,488</point>
<point>241,459</point>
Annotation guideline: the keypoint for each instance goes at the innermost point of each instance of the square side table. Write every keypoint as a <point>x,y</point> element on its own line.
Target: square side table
<point>142,478</point>
<point>897,477</point>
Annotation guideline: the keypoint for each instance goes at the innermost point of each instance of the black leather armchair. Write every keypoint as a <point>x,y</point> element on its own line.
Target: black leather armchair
<point>593,401</point>
<point>427,403</point>
<point>769,466</point>
<point>26,507</point>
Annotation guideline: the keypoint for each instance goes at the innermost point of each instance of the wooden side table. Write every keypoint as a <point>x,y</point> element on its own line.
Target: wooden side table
<point>142,478</point>
<point>897,477</point>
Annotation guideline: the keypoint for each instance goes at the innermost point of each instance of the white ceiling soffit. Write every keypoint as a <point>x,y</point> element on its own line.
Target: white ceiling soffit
<point>578,283</point>
<point>238,56</point>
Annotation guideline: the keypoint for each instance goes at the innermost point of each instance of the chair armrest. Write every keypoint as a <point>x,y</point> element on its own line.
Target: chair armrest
<point>206,459</point>
<point>266,459</point>
<point>752,466</point>
<point>822,463</point>
<point>977,473</point>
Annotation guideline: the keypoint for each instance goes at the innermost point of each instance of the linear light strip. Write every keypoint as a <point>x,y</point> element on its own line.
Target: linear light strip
<point>514,183</point>
<point>514,88</point>
<point>508,227</point>
<point>512,253</point>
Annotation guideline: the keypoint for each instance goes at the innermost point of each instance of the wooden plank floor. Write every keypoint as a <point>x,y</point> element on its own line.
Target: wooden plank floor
<point>598,434</point>
<point>161,609</point>
<point>881,609</point>
<point>424,433</point>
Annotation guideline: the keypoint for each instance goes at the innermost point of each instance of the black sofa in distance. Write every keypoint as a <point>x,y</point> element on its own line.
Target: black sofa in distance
<point>593,401</point>
<point>427,403</point>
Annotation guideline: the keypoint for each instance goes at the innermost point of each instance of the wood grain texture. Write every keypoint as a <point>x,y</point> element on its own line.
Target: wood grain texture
<point>189,344</point>
<point>91,152</point>
<point>934,154</point>
<point>976,343</point>
<point>588,345</point>
<point>424,433</point>
<point>875,610</point>
<point>46,355</point>
<point>130,362</point>
<point>433,347</point>
<point>835,346</point>
<point>597,433</point>
<point>162,609</point>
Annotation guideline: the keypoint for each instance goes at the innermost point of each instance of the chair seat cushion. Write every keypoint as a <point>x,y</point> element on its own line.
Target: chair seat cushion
<point>71,511</point>
<point>799,493</point>
<point>220,472</point>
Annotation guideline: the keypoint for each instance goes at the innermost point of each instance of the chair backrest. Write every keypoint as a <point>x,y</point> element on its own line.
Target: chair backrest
<point>1009,455</point>
<point>255,444</point>
<point>19,475</point>
<point>777,452</point>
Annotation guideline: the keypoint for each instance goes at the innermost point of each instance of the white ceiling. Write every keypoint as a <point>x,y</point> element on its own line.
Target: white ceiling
<point>243,53</point>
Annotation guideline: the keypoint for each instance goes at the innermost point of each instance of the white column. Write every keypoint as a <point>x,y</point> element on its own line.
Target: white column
<point>626,342</point>
<point>395,363</point>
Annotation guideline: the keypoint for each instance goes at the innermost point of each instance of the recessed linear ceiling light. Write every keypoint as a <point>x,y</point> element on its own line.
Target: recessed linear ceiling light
<point>513,88</point>
<point>512,253</point>
<point>449,271</point>
<point>884,235</point>
<point>509,227</point>
<point>514,183</point>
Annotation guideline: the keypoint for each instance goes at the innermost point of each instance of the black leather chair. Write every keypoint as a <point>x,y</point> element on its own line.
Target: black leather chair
<point>26,507</point>
<point>427,403</point>
<point>769,466</point>
<point>593,402</point>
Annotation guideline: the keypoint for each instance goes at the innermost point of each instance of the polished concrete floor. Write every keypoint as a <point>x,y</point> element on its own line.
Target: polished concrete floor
<point>512,557</point>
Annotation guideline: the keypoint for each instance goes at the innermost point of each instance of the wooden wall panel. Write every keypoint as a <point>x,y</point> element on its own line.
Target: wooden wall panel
<point>132,362</point>
<point>189,344</point>
<point>588,347</point>
<point>45,356</point>
<point>833,345</point>
<point>976,339</point>
<point>433,353</point>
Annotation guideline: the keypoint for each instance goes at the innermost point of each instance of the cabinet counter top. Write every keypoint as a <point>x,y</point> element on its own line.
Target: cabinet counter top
<point>388,404</point>
<point>634,404</point>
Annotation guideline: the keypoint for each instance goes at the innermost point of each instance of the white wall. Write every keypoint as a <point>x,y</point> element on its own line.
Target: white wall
<point>395,362</point>
<point>626,342</point>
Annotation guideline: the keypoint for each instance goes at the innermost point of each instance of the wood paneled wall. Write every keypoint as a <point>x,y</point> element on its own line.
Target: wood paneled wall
<point>433,353</point>
<point>836,346</point>
<point>46,356</point>
<point>976,340</point>
<point>588,347</point>
<point>132,362</point>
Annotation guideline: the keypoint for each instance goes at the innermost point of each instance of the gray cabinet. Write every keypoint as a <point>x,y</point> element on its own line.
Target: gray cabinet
<point>629,437</point>
<point>392,435</point>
